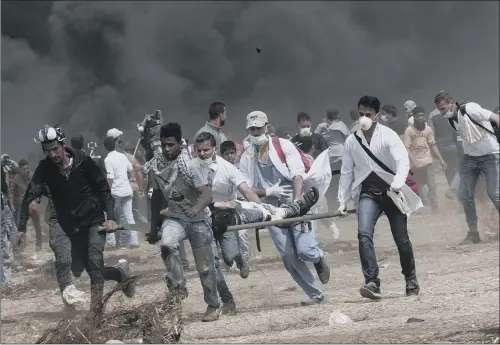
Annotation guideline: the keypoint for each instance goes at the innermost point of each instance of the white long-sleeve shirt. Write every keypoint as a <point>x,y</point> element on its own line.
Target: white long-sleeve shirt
<point>387,146</point>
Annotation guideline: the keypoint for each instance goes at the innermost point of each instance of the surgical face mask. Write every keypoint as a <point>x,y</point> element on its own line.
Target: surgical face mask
<point>448,114</point>
<point>305,131</point>
<point>365,123</point>
<point>206,161</point>
<point>260,140</point>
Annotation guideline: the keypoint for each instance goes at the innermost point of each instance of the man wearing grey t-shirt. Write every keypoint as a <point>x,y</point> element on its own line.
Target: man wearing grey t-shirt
<point>179,210</point>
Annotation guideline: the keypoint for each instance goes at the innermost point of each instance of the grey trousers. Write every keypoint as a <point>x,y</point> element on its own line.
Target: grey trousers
<point>65,261</point>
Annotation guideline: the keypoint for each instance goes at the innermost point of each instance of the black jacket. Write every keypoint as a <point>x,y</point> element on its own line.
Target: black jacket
<point>318,140</point>
<point>79,201</point>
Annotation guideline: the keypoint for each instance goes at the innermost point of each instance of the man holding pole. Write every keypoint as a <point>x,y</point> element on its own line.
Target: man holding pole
<point>271,164</point>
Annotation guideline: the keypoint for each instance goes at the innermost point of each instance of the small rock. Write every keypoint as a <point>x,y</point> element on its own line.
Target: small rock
<point>29,270</point>
<point>114,342</point>
<point>336,317</point>
<point>414,319</point>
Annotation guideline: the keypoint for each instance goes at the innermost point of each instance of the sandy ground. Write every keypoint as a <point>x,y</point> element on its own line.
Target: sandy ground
<point>459,299</point>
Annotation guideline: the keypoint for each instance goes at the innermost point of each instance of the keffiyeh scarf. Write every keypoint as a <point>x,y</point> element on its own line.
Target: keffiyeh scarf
<point>165,171</point>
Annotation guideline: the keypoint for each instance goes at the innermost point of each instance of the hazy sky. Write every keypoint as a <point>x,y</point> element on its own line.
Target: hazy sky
<point>91,66</point>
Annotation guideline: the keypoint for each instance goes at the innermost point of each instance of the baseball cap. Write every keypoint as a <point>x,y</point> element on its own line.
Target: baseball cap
<point>256,119</point>
<point>114,133</point>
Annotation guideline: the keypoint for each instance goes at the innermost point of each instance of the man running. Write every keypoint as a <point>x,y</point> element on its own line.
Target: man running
<point>81,195</point>
<point>367,182</point>
<point>181,183</point>
<point>265,170</point>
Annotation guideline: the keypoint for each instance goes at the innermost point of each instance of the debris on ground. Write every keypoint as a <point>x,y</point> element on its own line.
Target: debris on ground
<point>336,317</point>
<point>159,322</point>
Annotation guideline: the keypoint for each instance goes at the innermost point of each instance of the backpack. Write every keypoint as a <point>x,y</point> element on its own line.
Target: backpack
<point>461,106</point>
<point>281,154</point>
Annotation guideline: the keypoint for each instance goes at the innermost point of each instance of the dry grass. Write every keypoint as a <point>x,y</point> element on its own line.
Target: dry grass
<point>157,322</point>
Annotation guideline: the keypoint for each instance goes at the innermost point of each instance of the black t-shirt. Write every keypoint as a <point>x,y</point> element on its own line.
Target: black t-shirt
<point>374,183</point>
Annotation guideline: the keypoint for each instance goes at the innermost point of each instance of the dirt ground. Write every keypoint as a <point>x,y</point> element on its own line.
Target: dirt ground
<point>459,299</point>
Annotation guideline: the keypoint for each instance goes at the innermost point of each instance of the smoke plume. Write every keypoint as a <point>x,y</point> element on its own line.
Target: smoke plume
<point>91,66</point>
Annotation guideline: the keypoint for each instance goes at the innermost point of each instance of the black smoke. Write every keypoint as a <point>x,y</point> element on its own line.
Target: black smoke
<point>91,66</point>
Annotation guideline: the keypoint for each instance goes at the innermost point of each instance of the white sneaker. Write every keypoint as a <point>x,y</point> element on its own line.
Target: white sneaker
<point>71,296</point>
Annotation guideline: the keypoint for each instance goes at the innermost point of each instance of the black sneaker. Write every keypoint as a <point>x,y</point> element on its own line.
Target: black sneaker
<point>412,288</point>
<point>312,301</point>
<point>212,314</point>
<point>128,288</point>
<point>228,308</point>
<point>323,270</point>
<point>308,200</point>
<point>371,291</point>
<point>471,238</point>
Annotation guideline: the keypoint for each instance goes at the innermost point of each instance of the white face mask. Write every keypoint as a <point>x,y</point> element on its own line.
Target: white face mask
<point>207,161</point>
<point>305,131</point>
<point>260,140</point>
<point>365,123</point>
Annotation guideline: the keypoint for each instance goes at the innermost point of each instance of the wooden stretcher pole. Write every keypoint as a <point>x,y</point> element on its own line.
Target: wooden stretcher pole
<point>287,221</point>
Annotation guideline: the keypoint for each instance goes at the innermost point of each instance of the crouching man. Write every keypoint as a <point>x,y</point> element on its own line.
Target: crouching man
<point>80,195</point>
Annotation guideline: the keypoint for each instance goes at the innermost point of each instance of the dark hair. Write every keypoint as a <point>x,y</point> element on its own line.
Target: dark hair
<point>23,163</point>
<point>215,109</point>
<point>390,109</point>
<point>418,109</point>
<point>77,142</point>
<point>171,130</point>
<point>205,136</point>
<point>332,114</point>
<point>442,95</point>
<point>109,143</point>
<point>369,102</point>
<point>303,117</point>
<point>306,143</point>
<point>226,146</point>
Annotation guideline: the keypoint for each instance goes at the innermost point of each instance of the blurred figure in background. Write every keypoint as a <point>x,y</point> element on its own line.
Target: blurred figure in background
<point>17,188</point>
<point>137,183</point>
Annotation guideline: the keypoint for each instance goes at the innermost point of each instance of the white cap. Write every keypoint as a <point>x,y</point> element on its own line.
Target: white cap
<point>409,106</point>
<point>256,119</point>
<point>114,133</point>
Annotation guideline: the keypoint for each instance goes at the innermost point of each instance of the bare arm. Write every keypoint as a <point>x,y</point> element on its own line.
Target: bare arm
<point>261,192</point>
<point>495,118</point>
<point>249,193</point>
<point>298,186</point>
<point>205,198</point>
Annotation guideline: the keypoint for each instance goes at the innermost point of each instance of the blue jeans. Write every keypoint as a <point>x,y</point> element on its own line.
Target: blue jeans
<point>470,170</point>
<point>200,236</point>
<point>222,288</point>
<point>370,208</point>
<point>296,248</point>
<point>136,210</point>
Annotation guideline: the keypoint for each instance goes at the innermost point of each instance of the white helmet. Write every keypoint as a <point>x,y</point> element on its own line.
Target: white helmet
<point>409,106</point>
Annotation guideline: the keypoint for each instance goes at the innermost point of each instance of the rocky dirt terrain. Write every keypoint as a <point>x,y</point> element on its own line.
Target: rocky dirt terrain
<point>459,299</point>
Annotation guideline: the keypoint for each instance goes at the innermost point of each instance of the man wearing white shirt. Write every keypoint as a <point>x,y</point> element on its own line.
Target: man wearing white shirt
<point>367,183</point>
<point>264,169</point>
<point>117,167</point>
<point>481,153</point>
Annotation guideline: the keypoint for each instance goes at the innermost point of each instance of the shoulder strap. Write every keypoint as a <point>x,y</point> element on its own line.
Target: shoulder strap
<point>279,150</point>
<point>464,112</point>
<point>372,156</point>
<point>375,159</point>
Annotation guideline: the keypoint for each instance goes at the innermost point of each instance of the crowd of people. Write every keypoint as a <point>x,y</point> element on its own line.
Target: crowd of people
<point>380,163</point>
